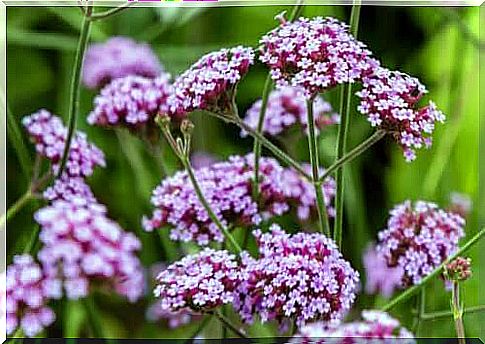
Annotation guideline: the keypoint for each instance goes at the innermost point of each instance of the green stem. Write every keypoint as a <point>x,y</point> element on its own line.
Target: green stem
<point>354,153</point>
<point>457,312</point>
<point>75,86</point>
<point>34,239</point>
<point>413,290</point>
<point>259,130</point>
<point>447,314</point>
<point>297,9</point>
<point>93,317</point>
<point>198,329</point>
<point>16,207</point>
<point>226,322</point>
<point>345,99</point>
<point>110,12</point>
<point>18,143</point>
<point>314,160</point>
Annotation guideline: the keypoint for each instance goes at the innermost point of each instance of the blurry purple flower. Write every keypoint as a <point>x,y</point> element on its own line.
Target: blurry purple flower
<point>174,319</point>
<point>116,58</point>
<point>209,83</point>
<point>202,159</point>
<point>287,107</point>
<point>302,277</point>
<point>460,203</point>
<point>418,238</point>
<point>28,290</point>
<point>389,100</point>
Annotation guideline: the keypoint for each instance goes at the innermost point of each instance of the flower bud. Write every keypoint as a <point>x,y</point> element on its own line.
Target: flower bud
<point>459,269</point>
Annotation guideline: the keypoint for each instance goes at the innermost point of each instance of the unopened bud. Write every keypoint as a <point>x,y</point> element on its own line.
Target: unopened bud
<point>162,120</point>
<point>187,127</point>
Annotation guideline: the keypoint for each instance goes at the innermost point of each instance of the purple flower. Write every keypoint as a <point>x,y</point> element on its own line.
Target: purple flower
<point>202,159</point>
<point>418,238</point>
<point>82,246</point>
<point>116,58</point>
<point>380,278</point>
<point>198,282</point>
<point>460,203</point>
<point>131,101</point>
<point>315,54</point>
<point>389,100</point>
<point>67,189</point>
<point>49,135</point>
<point>376,327</point>
<point>174,319</point>
<point>209,84</point>
<point>28,291</point>
<point>302,277</point>
<point>287,107</point>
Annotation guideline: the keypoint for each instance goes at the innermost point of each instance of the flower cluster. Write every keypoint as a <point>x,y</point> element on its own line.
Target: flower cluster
<point>389,100</point>
<point>28,290</point>
<point>302,277</point>
<point>210,82</point>
<point>376,327</point>
<point>315,54</point>
<point>83,246</point>
<point>418,238</point>
<point>380,278</point>
<point>287,107</point>
<point>199,282</point>
<point>459,269</point>
<point>116,58</point>
<point>49,135</point>
<point>68,189</point>
<point>131,101</point>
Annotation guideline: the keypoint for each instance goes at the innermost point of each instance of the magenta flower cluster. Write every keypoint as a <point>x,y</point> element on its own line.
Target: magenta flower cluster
<point>314,54</point>
<point>210,82</point>
<point>286,108</point>
<point>68,189</point>
<point>379,277</point>
<point>227,186</point>
<point>49,135</point>
<point>389,100</point>
<point>199,282</point>
<point>132,101</point>
<point>28,289</point>
<point>82,246</point>
<point>418,238</point>
<point>301,277</point>
<point>375,327</point>
<point>116,58</point>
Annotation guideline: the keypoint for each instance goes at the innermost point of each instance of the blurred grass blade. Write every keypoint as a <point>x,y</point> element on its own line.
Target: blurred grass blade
<point>41,40</point>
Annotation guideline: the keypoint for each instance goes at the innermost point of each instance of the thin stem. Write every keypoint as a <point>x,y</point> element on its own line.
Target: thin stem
<point>18,143</point>
<point>226,322</point>
<point>93,317</point>
<point>314,160</point>
<point>413,290</point>
<point>447,314</point>
<point>354,153</point>
<point>259,130</point>
<point>75,86</point>
<point>457,312</point>
<point>297,9</point>
<point>110,12</point>
<point>16,207</point>
<point>199,328</point>
<point>345,99</point>
<point>34,239</point>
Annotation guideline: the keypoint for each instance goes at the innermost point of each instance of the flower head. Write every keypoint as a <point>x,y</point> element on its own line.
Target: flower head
<point>380,278</point>
<point>418,238</point>
<point>209,83</point>
<point>287,107</point>
<point>116,58</point>
<point>389,100</point>
<point>68,189</point>
<point>315,54</point>
<point>28,291</point>
<point>302,277</point>
<point>459,269</point>
<point>49,135</point>
<point>199,282</point>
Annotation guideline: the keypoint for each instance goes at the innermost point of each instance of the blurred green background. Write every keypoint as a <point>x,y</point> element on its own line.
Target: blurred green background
<point>438,45</point>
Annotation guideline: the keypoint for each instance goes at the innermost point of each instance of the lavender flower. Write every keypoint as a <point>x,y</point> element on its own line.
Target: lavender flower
<point>460,203</point>
<point>49,135</point>
<point>287,107</point>
<point>302,277</point>
<point>131,101</point>
<point>209,83</point>
<point>28,291</point>
<point>389,100</point>
<point>380,278</point>
<point>83,246</point>
<point>68,189</point>
<point>199,282</point>
<point>315,54</point>
<point>418,238</point>
<point>202,159</point>
<point>376,327</point>
<point>116,58</point>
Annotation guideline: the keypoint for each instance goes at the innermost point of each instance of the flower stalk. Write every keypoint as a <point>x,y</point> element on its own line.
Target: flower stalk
<point>457,309</point>
<point>110,12</point>
<point>16,207</point>
<point>227,323</point>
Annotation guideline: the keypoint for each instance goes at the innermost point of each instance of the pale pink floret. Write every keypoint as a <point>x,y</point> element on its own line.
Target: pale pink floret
<point>380,278</point>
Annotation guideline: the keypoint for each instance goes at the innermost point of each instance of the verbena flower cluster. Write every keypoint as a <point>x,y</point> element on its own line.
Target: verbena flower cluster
<point>210,82</point>
<point>199,282</point>
<point>132,101</point>
<point>116,58</point>
<point>380,278</point>
<point>286,108</point>
<point>375,327</point>
<point>49,135</point>
<point>68,189</point>
<point>418,238</point>
<point>82,246</point>
<point>227,186</point>
<point>315,54</point>
<point>28,291</point>
<point>301,276</point>
<point>389,100</point>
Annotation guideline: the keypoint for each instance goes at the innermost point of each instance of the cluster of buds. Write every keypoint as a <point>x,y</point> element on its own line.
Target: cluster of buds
<point>458,270</point>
